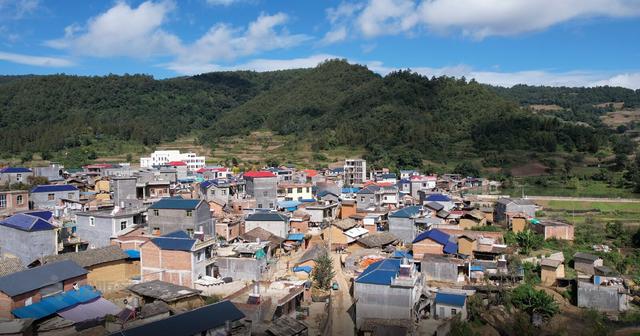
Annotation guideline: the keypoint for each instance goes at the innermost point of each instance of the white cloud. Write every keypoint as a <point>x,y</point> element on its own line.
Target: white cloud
<point>122,31</point>
<point>222,2</point>
<point>334,36</point>
<point>17,9</point>
<point>42,61</point>
<point>225,43</point>
<point>477,18</point>
<point>259,65</point>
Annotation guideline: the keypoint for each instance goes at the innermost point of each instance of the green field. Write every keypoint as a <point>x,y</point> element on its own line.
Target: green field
<point>585,189</point>
<point>574,211</point>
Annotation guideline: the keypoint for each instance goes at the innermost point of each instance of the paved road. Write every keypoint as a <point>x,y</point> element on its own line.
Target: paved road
<point>565,198</point>
<point>342,321</point>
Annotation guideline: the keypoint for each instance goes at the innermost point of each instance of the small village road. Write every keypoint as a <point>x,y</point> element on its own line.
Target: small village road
<point>342,323</point>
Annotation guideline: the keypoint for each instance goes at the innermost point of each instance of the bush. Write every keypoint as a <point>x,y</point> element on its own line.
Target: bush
<point>532,301</point>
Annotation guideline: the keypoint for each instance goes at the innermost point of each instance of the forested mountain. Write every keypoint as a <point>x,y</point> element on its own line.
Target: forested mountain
<point>400,119</point>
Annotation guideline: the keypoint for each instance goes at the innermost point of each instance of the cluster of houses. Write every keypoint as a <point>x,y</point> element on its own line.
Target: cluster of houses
<point>140,251</point>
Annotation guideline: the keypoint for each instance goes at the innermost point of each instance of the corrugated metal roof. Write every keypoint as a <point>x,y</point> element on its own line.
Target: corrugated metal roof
<point>53,188</point>
<point>267,216</point>
<point>407,212</point>
<point>436,235</point>
<point>438,198</point>
<point>296,236</point>
<point>193,322</point>
<point>90,310</point>
<point>175,241</point>
<point>450,299</point>
<point>39,277</point>
<point>55,303</point>
<point>258,174</point>
<point>13,170</point>
<point>27,222</point>
<point>176,204</point>
<point>381,272</point>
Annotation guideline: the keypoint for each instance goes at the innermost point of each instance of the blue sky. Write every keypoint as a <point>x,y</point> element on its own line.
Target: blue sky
<point>503,42</point>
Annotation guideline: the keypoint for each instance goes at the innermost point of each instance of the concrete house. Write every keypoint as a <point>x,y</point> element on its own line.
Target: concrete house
<point>552,229</point>
<point>448,305</point>
<point>29,287</point>
<point>294,191</point>
<point>375,196</point>
<point>276,223</point>
<point>355,172</point>
<point>419,182</point>
<point>446,201</point>
<point>403,222</point>
<point>434,242</point>
<point>12,201</point>
<point>263,186</point>
<point>440,268</point>
<point>13,175</point>
<point>506,206</point>
<point>221,191</point>
<point>321,213</point>
<point>175,214</point>
<point>613,298</point>
<point>387,290</point>
<point>98,228</point>
<point>46,197</point>
<point>177,258</point>
<point>585,263</point>
<point>29,236</point>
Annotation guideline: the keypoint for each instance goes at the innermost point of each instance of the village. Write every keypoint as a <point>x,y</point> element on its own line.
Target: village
<point>177,247</point>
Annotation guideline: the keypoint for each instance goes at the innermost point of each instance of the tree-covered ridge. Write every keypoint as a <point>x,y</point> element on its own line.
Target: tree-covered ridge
<point>568,96</point>
<point>400,119</point>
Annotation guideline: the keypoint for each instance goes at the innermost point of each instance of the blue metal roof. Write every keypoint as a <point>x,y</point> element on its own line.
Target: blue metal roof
<point>174,241</point>
<point>380,273</point>
<point>306,269</point>
<point>476,268</point>
<point>28,222</point>
<point>55,303</point>
<point>53,188</point>
<point>450,299</point>
<point>267,217</point>
<point>402,254</point>
<point>39,277</point>
<point>288,204</point>
<point>296,236</point>
<point>350,190</point>
<point>439,237</point>
<point>14,170</point>
<point>176,203</point>
<point>406,212</point>
<point>325,193</point>
<point>438,198</point>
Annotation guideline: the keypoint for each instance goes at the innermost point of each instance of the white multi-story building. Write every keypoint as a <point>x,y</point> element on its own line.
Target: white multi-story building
<point>355,172</point>
<point>163,157</point>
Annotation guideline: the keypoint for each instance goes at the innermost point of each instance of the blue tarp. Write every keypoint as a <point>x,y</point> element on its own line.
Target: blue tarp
<point>133,254</point>
<point>55,303</point>
<point>296,236</point>
<point>306,269</point>
<point>307,200</point>
<point>289,205</point>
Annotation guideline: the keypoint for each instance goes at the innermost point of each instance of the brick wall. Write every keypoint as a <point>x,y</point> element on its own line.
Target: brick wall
<point>426,246</point>
<point>165,265</point>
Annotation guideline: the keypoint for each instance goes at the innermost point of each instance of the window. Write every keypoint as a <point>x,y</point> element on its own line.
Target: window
<point>271,205</point>
<point>223,191</point>
<point>70,196</point>
<point>189,213</point>
<point>51,197</point>
<point>260,206</point>
<point>265,193</point>
<point>362,199</point>
<point>156,212</point>
<point>453,312</point>
<point>92,221</point>
<point>200,256</point>
<point>3,201</point>
<point>19,200</point>
<point>289,190</point>
<point>19,177</point>
<point>299,190</point>
<point>190,232</point>
<point>213,192</point>
<point>123,225</point>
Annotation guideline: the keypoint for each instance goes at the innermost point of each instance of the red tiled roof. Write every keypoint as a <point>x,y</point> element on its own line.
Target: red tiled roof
<point>201,170</point>
<point>176,163</point>
<point>311,172</point>
<point>257,174</point>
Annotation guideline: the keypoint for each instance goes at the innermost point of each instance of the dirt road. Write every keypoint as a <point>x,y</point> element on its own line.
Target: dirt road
<point>341,303</point>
